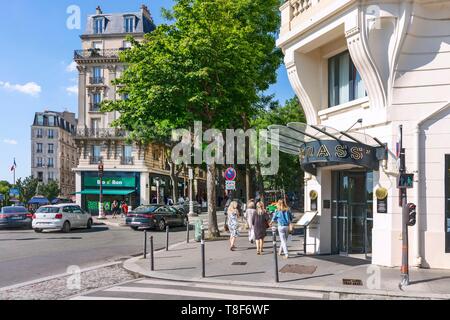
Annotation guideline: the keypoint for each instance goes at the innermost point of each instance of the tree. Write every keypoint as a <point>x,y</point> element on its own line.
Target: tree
<point>5,186</point>
<point>208,65</point>
<point>27,188</point>
<point>50,190</point>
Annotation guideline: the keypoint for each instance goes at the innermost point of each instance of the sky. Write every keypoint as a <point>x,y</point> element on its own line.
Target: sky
<point>37,71</point>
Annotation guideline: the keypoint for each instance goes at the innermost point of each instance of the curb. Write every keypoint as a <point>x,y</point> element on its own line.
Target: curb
<point>36,281</point>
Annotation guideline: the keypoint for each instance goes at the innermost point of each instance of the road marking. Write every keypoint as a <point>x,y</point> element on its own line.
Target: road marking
<point>100,298</point>
<point>187,293</point>
<point>284,292</point>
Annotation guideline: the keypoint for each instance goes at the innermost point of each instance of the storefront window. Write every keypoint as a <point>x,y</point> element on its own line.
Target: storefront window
<point>447,203</point>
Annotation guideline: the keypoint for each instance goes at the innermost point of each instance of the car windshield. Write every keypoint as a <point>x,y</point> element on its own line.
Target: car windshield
<point>14,210</point>
<point>145,209</point>
<point>48,210</point>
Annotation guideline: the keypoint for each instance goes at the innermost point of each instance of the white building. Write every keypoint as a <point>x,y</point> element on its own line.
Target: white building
<point>387,63</point>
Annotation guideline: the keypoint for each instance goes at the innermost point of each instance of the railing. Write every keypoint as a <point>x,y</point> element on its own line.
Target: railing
<point>94,107</point>
<point>101,133</point>
<point>127,160</point>
<point>96,80</point>
<point>95,160</point>
<point>97,54</point>
<point>300,6</point>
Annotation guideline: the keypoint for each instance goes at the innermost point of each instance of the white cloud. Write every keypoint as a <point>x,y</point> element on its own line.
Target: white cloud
<point>72,67</point>
<point>72,90</point>
<point>30,88</point>
<point>10,141</point>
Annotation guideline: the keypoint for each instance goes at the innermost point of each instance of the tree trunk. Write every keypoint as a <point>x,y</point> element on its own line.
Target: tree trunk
<point>213,228</point>
<point>248,182</point>
<point>173,178</point>
<point>260,181</point>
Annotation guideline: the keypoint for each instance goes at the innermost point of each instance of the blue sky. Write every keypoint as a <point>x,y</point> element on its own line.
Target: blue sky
<point>34,75</point>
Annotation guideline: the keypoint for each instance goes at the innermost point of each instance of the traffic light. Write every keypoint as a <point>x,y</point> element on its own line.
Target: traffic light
<point>100,169</point>
<point>411,214</point>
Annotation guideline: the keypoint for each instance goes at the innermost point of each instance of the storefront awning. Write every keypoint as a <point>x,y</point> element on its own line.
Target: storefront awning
<point>320,146</point>
<point>115,192</point>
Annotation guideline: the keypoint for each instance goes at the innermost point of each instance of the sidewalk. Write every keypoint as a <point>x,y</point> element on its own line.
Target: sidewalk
<point>313,273</point>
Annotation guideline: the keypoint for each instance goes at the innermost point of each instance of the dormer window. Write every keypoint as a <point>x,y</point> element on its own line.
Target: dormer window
<point>129,24</point>
<point>99,25</point>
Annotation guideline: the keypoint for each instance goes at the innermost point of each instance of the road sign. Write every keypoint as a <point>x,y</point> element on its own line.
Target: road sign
<point>406,181</point>
<point>230,174</point>
<point>14,192</point>
<point>230,185</point>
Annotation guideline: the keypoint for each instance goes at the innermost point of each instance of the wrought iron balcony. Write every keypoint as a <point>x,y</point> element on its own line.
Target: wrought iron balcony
<point>96,80</point>
<point>94,107</point>
<point>95,160</point>
<point>127,160</point>
<point>109,133</point>
<point>97,54</point>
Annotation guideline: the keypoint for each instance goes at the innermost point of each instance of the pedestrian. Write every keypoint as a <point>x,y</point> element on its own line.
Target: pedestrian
<point>260,222</point>
<point>233,223</point>
<point>124,208</point>
<point>115,209</point>
<point>248,215</point>
<point>283,218</point>
<point>181,200</point>
<point>169,201</point>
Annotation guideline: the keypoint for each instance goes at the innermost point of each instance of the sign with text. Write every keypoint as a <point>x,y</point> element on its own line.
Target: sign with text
<point>129,182</point>
<point>230,185</point>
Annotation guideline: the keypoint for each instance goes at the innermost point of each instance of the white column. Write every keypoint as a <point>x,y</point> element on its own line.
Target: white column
<point>78,187</point>
<point>145,188</point>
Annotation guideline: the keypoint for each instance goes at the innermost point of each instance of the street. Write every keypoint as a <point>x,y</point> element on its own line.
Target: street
<point>26,255</point>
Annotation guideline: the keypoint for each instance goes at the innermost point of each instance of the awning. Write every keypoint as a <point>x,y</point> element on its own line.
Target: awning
<point>320,146</point>
<point>39,201</point>
<point>113,192</point>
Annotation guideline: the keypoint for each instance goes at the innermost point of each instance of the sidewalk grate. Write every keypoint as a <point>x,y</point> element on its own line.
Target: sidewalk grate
<point>352,282</point>
<point>298,268</point>
<point>239,263</point>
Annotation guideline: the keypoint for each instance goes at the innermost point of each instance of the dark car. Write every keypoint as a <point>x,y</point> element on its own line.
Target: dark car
<point>15,217</point>
<point>185,207</point>
<point>156,217</point>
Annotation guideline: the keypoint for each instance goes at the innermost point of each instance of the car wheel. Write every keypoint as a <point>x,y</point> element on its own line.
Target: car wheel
<point>161,225</point>
<point>38,230</point>
<point>89,224</point>
<point>135,228</point>
<point>66,227</point>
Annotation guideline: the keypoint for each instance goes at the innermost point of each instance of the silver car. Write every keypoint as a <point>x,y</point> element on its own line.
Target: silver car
<point>64,217</point>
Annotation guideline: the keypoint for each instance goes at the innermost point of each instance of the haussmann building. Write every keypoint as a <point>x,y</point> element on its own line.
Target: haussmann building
<point>361,69</point>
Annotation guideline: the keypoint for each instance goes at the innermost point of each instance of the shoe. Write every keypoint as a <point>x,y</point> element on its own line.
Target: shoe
<point>286,257</point>
<point>252,242</point>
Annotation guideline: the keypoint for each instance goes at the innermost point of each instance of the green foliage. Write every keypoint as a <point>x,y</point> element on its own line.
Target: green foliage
<point>27,188</point>
<point>50,190</point>
<point>5,186</point>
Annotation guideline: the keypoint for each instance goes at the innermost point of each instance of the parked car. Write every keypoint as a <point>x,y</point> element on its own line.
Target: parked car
<point>64,217</point>
<point>15,217</point>
<point>156,217</point>
<point>185,207</point>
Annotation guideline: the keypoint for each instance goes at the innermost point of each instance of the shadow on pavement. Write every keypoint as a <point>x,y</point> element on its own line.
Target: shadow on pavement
<point>429,280</point>
<point>235,274</point>
<point>348,261</point>
<point>174,269</point>
<point>306,278</point>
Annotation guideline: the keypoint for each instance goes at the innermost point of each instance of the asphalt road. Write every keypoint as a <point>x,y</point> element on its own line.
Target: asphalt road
<point>26,255</point>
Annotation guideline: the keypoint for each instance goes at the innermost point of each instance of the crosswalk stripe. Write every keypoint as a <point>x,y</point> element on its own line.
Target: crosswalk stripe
<point>187,293</point>
<point>283,292</point>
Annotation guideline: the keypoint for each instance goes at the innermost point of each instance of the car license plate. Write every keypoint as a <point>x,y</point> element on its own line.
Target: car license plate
<point>136,223</point>
<point>16,218</point>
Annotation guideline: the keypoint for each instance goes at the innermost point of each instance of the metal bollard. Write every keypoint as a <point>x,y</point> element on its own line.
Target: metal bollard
<point>203,253</point>
<point>167,238</point>
<point>145,244</point>
<point>187,231</point>
<point>274,239</point>
<point>152,261</point>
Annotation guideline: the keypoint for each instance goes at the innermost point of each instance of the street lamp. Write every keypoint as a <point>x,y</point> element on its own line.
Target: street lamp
<point>101,214</point>
<point>191,201</point>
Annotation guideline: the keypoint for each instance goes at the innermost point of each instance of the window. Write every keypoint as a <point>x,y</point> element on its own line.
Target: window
<point>51,133</point>
<point>51,121</point>
<point>129,24</point>
<point>50,162</point>
<point>447,203</point>
<point>51,176</point>
<point>156,154</point>
<point>40,176</point>
<point>97,45</point>
<point>96,100</point>
<point>344,81</point>
<point>125,96</point>
<point>126,44</point>
<point>39,148</point>
<point>39,162</point>
<point>96,151</point>
<point>40,120</point>
<point>50,148</point>
<point>39,133</point>
<point>97,75</point>
<point>99,25</point>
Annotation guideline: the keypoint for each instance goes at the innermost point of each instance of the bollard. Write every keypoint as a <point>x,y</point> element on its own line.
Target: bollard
<point>274,239</point>
<point>145,244</point>
<point>167,238</point>
<point>152,262</point>
<point>203,253</point>
<point>187,231</point>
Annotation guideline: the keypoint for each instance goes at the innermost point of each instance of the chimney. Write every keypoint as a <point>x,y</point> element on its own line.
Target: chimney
<point>98,10</point>
<point>144,9</point>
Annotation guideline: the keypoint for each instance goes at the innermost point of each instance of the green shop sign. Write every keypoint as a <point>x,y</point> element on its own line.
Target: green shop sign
<point>110,182</point>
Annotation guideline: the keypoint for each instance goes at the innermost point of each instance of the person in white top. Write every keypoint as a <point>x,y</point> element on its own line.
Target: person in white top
<point>249,212</point>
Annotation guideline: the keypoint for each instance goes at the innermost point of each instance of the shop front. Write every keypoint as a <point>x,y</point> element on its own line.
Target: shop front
<point>116,186</point>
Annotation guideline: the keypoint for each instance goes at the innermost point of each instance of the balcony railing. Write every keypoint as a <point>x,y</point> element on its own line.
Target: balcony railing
<point>97,54</point>
<point>96,80</point>
<point>95,160</point>
<point>127,160</point>
<point>101,133</point>
<point>94,107</point>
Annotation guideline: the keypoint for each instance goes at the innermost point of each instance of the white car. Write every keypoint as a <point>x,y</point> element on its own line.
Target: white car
<point>62,217</point>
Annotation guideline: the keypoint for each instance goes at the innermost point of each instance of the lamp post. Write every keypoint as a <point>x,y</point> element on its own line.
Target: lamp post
<point>101,214</point>
<point>191,201</point>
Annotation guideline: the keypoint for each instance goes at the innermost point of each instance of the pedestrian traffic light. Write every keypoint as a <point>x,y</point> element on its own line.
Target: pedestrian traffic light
<point>411,214</point>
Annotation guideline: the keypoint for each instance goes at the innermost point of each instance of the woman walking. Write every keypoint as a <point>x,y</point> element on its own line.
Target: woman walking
<point>115,209</point>
<point>283,217</point>
<point>249,213</point>
<point>233,223</point>
<point>260,222</point>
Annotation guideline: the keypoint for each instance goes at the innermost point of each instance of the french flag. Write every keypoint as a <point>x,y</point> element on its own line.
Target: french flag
<point>14,165</point>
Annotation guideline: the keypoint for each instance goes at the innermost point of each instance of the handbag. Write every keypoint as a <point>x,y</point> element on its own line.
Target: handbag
<point>291,228</point>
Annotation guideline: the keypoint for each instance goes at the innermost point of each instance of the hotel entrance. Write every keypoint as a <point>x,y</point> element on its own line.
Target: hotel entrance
<point>352,212</point>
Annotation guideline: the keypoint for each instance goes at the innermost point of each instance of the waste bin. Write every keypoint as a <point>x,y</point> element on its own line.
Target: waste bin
<point>198,230</point>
